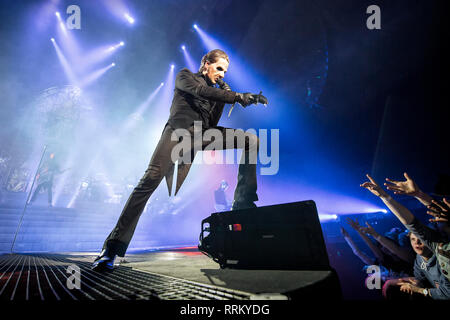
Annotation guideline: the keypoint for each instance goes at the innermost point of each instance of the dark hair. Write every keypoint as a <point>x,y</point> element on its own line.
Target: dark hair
<point>212,57</point>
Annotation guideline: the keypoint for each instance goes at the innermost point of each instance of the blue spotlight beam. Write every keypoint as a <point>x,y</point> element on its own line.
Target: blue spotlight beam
<point>239,71</point>
<point>190,63</point>
<point>242,77</point>
<point>95,75</point>
<point>129,124</point>
<point>65,64</point>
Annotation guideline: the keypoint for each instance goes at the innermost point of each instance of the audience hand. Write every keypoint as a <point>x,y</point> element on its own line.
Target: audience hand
<point>354,224</point>
<point>369,230</point>
<point>410,287</point>
<point>408,187</point>
<point>373,187</point>
<point>439,211</point>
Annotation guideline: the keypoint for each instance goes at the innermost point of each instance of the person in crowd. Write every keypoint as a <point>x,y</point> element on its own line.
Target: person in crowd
<point>428,280</point>
<point>220,198</point>
<point>395,259</point>
<point>434,240</point>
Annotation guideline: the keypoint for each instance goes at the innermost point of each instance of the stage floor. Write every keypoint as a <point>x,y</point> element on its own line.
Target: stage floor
<point>168,274</point>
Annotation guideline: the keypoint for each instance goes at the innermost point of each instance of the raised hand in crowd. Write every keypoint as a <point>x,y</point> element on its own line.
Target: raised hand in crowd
<point>354,224</point>
<point>402,213</point>
<point>358,228</point>
<point>403,253</point>
<point>408,187</point>
<point>366,259</point>
<point>369,230</point>
<point>439,211</point>
<point>374,188</point>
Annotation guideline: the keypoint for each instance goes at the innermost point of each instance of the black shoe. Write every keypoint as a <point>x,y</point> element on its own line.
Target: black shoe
<point>242,205</point>
<point>104,262</point>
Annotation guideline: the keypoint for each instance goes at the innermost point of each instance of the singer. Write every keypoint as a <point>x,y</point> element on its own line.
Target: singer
<point>196,98</point>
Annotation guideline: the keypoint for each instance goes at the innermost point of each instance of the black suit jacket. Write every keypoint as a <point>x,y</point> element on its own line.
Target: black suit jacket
<point>195,99</point>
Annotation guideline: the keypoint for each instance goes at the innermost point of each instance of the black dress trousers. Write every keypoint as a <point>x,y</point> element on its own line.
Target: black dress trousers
<point>161,161</point>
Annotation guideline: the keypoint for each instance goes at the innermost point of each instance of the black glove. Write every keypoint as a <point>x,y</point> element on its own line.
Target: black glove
<point>244,99</point>
<point>223,85</point>
<point>259,98</point>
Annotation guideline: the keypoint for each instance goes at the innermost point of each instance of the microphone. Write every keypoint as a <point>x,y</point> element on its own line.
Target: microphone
<point>224,86</point>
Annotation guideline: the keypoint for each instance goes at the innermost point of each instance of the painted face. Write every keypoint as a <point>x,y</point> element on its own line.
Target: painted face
<point>216,70</point>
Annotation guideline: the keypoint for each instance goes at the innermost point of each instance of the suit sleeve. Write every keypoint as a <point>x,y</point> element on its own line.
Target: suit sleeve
<point>185,82</point>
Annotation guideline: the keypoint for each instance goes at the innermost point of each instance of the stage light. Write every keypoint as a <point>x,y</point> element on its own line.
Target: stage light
<point>57,14</point>
<point>129,18</point>
<point>113,64</point>
<point>327,217</point>
<point>135,116</point>
<point>121,43</point>
<point>195,26</point>
<point>172,66</point>
<point>65,64</point>
<point>190,63</point>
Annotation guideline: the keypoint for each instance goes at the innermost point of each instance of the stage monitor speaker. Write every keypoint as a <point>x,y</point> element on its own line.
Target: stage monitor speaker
<point>286,236</point>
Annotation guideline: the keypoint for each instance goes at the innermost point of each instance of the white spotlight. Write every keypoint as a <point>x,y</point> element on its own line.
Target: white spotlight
<point>121,43</point>
<point>113,64</point>
<point>52,39</point>
<point>57,14</point>
<point>183,47</point>
<point>129,18</point>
